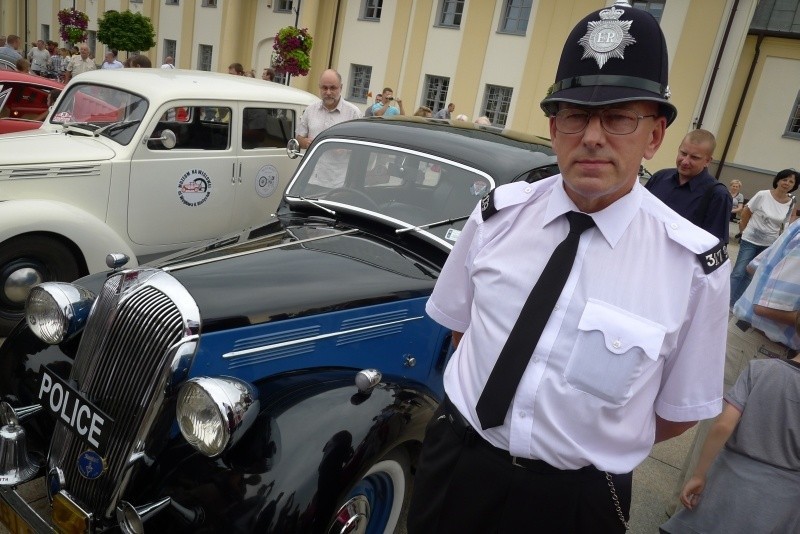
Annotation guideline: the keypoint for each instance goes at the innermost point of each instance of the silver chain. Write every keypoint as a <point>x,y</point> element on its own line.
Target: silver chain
<point>616,500</point>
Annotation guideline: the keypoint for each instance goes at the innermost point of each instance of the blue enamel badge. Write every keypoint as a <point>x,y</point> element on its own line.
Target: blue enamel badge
<point>91,465</point>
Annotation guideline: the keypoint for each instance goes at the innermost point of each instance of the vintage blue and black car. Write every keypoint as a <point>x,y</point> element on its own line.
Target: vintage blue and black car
<point>276,380</point>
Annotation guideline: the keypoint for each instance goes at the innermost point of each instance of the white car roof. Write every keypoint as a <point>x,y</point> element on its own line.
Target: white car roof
<point>159,85</point>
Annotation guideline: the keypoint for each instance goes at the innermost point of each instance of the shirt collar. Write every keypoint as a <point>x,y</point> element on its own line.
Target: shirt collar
<point>611,221</point>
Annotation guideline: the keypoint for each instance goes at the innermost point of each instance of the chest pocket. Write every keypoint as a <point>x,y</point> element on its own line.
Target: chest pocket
<point>614,348</point>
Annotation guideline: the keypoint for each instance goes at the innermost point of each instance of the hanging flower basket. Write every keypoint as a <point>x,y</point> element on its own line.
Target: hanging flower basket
<point>73,24</point>
<point>292,51</point>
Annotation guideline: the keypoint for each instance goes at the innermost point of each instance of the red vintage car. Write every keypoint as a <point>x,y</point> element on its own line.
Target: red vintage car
<point>23,100</point>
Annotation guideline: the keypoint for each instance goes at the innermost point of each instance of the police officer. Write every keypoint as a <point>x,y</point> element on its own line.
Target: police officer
<point>619,359</point>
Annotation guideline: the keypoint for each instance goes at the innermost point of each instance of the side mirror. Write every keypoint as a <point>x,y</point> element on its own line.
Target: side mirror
<point>293,148</point>
<point>168,139</point>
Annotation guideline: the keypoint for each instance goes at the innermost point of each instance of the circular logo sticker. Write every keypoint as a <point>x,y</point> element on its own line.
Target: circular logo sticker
<point>194,187</point>
<point>266,181</point>
<point>91,465</point>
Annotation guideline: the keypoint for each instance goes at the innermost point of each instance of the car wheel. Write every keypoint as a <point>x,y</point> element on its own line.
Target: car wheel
<point>24,262</point>
<point>376,502</point>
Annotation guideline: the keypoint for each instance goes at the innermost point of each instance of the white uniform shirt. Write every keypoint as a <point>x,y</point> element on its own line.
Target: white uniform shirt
<point>639,328</point>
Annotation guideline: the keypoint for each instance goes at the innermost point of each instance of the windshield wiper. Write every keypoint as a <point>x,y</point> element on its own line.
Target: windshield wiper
<point>79,127</point>
<point>320,206</point>
<point>113,126</point>
<point>431,225</point>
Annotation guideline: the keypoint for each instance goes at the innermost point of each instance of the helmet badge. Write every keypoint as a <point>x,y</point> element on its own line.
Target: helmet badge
<point>607,38</point>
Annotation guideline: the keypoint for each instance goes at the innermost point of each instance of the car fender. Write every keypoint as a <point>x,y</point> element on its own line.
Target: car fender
<point>92,236</point>
<point>314,439</point>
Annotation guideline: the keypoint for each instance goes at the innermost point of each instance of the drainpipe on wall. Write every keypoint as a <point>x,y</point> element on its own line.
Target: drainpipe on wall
<point>741,104</point>
<point>333,37</point>
<point>717,61</point>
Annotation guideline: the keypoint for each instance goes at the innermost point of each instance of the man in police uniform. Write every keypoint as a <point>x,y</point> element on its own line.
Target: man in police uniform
<point>621,362</point>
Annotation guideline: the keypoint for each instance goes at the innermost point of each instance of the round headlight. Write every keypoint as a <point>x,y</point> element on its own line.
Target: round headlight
<point>200,420</point>
<point>55,311</point>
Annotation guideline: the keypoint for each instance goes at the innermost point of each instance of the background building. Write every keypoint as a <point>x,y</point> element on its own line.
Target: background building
<point>734,64</point>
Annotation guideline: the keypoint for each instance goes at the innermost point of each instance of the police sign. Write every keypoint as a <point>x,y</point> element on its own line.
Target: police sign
<point>68,406</point>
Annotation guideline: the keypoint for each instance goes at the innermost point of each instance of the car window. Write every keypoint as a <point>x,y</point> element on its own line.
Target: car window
<point>22,101</point>
<point>411,187</point>
<point>264,127</point>
<point>99,107</point>
<point>195,128</point>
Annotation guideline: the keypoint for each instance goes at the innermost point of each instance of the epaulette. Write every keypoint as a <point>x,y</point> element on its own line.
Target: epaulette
<point>713,259</point>
<point>487,205</point>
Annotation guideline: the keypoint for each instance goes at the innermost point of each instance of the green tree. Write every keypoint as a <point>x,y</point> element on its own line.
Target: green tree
<point>126,31</point>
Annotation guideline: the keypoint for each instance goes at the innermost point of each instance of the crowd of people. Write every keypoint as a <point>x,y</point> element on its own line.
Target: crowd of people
<point>48,60</point>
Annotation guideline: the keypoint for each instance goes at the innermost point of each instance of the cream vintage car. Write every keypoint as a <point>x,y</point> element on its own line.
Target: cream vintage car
<point>141,162</point>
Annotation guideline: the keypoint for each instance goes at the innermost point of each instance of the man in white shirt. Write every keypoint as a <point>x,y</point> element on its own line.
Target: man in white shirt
<point>111,61</point>
<point>79,63</point>
<point>632,351</point>
<point>169,63</point>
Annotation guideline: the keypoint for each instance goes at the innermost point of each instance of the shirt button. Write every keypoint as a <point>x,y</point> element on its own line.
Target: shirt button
<point>555,307</point>
<point>535,359</point>
<point>522,415</point>
<point>674,226</point>
<point>527,189</point>
<point>616,344</point>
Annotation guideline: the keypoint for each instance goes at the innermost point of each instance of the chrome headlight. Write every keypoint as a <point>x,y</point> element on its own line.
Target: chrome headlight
<point>213,413</point>
<point>56,311</point>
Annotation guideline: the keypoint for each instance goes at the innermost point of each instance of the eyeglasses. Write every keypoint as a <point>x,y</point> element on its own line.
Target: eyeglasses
<point>614,121</point>
<point>328,87</point>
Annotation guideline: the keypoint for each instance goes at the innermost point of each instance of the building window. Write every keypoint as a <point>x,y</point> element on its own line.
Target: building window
<point>173,2</point>
<point>450,12</point>
<point>516,14</point>
<point>793,127</point>
<point>655,7</point>
<point>204,53</point>
<point>361,76</point>
<point>436,88</point>
<point>283,6</point>
<point>496,102</point>
<point>45,32</point>
<point>209,3</point>
<point>371,10</point>
<point>170,49</point>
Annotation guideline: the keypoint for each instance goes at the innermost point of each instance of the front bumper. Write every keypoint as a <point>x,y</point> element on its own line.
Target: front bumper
<point>26,508</point>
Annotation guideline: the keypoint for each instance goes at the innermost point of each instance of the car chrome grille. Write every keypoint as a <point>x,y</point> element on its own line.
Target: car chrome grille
<point>122,366</point>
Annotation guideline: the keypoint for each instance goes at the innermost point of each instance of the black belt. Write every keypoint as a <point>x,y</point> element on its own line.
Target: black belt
<point>464,429</point>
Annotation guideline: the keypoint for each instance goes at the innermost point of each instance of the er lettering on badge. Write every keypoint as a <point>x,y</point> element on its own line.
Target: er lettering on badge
<point>83,418</point>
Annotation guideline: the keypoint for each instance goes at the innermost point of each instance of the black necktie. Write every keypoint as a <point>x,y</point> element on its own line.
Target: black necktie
<point>504,378</point>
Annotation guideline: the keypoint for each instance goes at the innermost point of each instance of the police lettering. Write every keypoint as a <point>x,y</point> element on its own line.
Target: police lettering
<point>77,413</point>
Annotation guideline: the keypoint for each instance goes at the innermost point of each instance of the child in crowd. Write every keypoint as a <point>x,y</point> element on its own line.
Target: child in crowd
<point>748,475</point>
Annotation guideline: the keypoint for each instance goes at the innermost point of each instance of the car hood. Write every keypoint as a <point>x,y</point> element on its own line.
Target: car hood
<point>280,273</point>
<point>15,148</point>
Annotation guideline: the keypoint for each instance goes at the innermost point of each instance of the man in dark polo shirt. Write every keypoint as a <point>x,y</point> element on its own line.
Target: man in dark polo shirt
<point>690,190</point>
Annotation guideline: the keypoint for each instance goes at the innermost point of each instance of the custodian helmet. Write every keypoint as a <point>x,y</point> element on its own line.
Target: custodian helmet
<point>617,54</point>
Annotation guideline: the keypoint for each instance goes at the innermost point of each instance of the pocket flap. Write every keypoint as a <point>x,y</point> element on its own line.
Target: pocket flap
<point>621,329</point>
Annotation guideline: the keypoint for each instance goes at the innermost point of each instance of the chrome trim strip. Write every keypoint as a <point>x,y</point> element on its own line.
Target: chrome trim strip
<point>178,267</point>
<point>15,501</point>
<point>282,344</point>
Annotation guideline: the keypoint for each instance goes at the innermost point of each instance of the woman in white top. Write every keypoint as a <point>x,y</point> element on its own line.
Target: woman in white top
<point>760,224</point>
<point>737,198</point>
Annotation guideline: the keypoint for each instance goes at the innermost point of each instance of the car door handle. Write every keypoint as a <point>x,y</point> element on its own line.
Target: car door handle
<point>240,172</point>
<point>233,173</point>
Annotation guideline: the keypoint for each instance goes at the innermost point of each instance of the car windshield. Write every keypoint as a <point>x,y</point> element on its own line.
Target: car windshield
<point>410,188</point>
<point>97,107</point>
